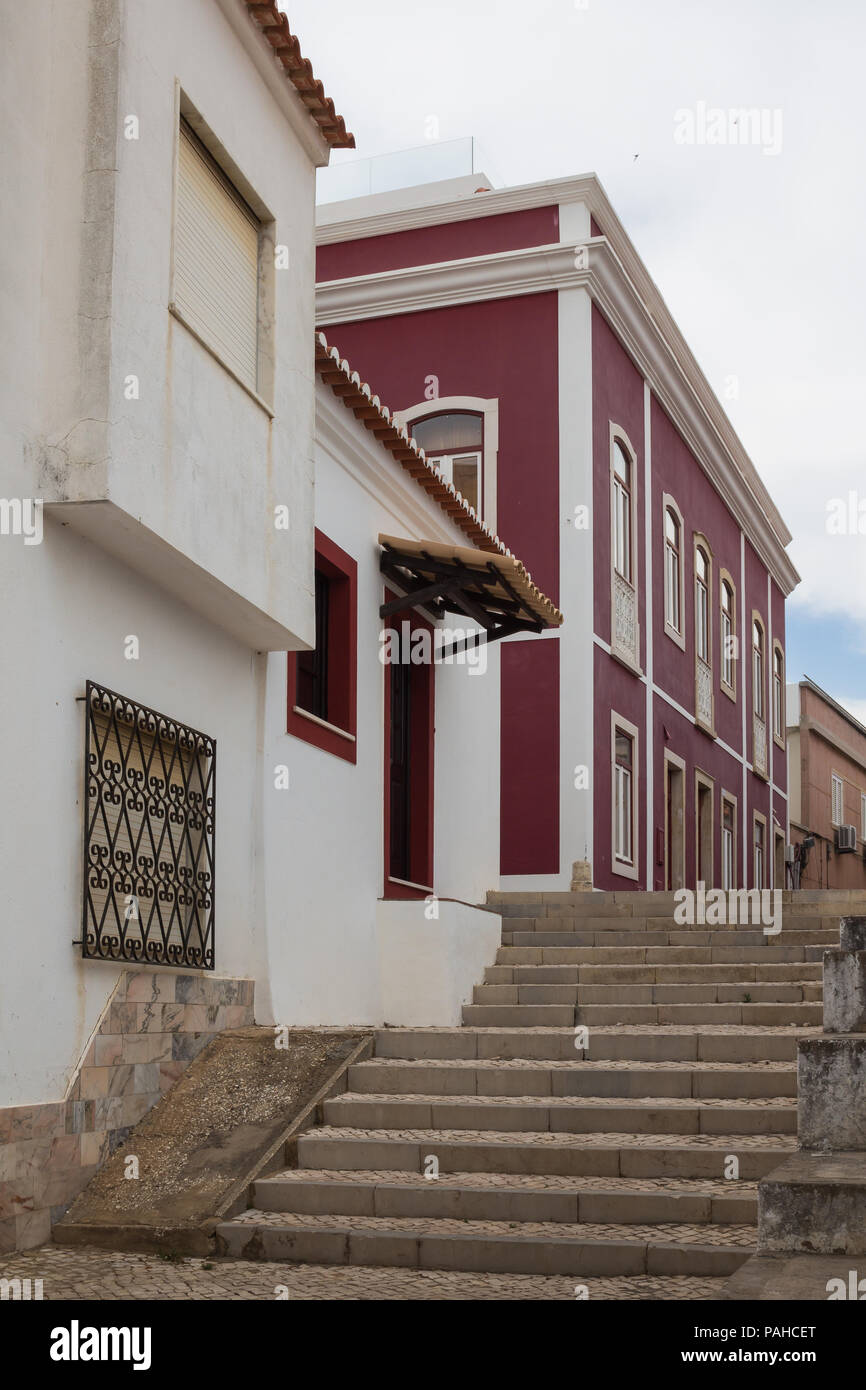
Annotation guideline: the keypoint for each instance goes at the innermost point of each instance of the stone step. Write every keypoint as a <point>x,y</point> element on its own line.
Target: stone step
<point>670,937</point>
<point>726,1043</point>
<point>546,1015</point>
<point>508,1197</point>
<point>554,920</point>
<point>650,974</point>
<point>759,992</point>
<point>380,1076</point>
<point>563,1114</point>
<point>844,901</point>
<point>610,1155</point>
<point>531,1248</point>
<point>601,956</point>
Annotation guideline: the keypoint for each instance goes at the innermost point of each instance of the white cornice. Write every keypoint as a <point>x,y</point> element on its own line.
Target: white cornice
<point>651,338</point>
<point>335,222</point>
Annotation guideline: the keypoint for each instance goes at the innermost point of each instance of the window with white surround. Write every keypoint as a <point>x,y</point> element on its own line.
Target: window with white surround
<point>862,816</point>
<point>729,842</point>
<point>758,668</point>
<point>621,503</point>
<point>704,692</point>
<point>624,637</point>
<point>759,851</point>
<point>460,436</point>
<point>837,799</point>
<point>759,719</point>
<point>624,801</point>
<point>728,633</point>
<point>778,694</point>
<point>454,443</point>
<point>673,570</point>
<point>216,260</point>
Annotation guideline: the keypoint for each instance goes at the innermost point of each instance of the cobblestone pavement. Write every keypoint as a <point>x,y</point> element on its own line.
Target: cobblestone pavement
<point>87,1273</point>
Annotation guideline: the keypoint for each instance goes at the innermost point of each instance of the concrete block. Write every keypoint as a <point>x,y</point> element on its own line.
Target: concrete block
<point>814,1204</point>
<point>845,990</point>
<point>831,1081</point>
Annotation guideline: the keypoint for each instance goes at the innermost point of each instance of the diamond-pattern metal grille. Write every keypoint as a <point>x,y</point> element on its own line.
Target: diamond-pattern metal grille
<point>149,807</point>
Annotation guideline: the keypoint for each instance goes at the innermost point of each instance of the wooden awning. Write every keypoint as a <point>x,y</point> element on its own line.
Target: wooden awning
<point>492,590</point>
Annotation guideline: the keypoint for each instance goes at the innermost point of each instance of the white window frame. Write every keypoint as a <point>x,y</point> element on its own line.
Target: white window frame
<point>759,819</point>
<point>676,633</point>
<point>488,409</point>
<point>778,688</point>
<point>728,799</point>
<point>700,542</point>
<point>728,688</point>
<point>837,799</point>
<point>863,816</point>
<point>622,867</point>
<point>629,587</point>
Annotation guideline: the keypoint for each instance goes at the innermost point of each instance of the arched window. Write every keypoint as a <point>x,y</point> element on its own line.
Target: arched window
<point>621,502</point>
<point>454,443</point>
<point>673,569</point>
<point>758,669</point>
<point>702,604</point>
<point>728,630</point>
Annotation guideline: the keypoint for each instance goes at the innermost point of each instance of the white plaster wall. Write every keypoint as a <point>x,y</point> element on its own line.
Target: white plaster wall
<point>325,871</point>
<point>429,966</point>
<point>66,612</point>
<point>195,461</point>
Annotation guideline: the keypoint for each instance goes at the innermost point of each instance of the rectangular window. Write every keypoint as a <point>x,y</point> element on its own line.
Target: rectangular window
<point>624,801</point>
<point>464,471</point>
<point>322,683</point>
<point>729,843</point>
<point>862,817</point>
<point>727,628</point>
<point>837,799</point>
<point>778,693</point>
<point>759,856</point>
<point>216,260</point>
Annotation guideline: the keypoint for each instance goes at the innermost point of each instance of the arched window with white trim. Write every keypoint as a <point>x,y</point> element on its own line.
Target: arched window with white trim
<point>460,437</point>
<point>673,570</point>
<point>728,633</point>
<point>704,684</point>
<point>759,698</point>
<point>625,628</point>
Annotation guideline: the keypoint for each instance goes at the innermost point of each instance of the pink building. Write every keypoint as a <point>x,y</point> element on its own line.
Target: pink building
<point>528,350</point>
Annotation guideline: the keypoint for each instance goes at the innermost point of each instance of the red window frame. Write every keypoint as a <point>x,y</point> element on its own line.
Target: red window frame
<point>342,571</point>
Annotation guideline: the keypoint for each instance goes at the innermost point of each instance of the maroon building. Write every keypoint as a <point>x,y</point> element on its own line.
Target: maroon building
<point>530,353</point>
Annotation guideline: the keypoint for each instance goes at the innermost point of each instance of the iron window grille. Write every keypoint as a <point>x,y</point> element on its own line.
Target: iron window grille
<point>149,861</point>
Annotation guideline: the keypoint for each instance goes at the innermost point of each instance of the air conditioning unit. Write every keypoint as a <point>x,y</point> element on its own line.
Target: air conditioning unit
<point>846,839</point>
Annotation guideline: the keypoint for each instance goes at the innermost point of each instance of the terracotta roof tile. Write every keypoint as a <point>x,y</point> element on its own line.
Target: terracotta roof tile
<point>275,27</point>
<point>358,397</point>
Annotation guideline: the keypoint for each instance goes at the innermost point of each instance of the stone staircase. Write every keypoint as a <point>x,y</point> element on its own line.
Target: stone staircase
<point>637,1155</point>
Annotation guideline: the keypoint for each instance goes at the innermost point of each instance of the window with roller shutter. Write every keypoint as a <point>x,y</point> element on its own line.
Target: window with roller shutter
<point>216,260</point>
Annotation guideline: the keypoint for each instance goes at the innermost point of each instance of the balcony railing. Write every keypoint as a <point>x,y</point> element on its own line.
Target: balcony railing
<point>150,800</point>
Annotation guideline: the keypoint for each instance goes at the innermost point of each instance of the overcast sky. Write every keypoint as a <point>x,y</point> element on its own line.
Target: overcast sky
<point>760,256</point>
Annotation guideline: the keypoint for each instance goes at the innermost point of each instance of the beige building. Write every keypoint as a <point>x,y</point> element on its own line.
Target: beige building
<point>827,790</point>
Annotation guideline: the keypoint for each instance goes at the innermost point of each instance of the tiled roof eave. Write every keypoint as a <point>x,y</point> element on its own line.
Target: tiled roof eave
<point>358,397</point>
<point>275,27</point>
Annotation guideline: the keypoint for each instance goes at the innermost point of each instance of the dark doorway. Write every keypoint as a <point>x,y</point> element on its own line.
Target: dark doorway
<point>409,688</point>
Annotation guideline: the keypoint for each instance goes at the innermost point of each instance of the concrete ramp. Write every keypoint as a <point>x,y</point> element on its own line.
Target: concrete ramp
<point>233,1116</point>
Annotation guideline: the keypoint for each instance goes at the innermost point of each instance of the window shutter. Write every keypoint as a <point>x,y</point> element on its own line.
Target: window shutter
<point>216,261</point>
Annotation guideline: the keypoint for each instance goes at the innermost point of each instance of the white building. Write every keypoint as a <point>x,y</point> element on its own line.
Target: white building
<point>185,844</point>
